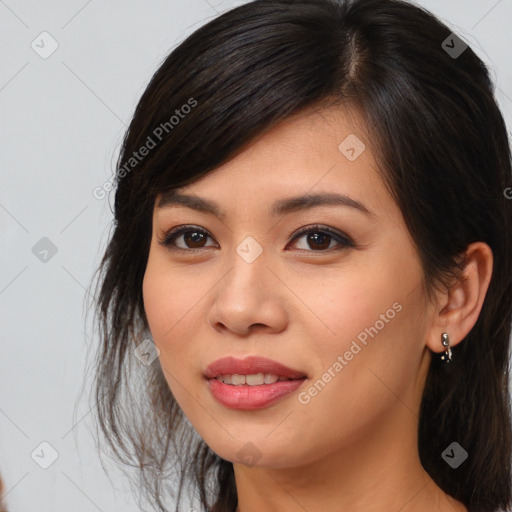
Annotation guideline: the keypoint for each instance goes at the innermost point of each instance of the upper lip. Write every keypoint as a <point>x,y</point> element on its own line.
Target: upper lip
<point>250,366</point>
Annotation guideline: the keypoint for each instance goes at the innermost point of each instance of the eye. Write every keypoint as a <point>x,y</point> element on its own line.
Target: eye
<point>319,238</point>
<point>190,234</point>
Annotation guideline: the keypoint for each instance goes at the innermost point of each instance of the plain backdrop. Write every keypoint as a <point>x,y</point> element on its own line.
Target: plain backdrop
<point>62,120</point>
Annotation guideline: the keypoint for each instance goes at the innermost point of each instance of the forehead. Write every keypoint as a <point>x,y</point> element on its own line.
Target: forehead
<point>313,158</point>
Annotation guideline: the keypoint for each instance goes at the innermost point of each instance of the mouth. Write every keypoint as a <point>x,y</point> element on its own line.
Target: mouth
<point>255,379</point>
<point>255,371</point>
<point>251,383</point>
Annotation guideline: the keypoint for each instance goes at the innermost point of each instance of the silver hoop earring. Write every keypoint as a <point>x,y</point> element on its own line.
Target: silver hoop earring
<point>445,340</point>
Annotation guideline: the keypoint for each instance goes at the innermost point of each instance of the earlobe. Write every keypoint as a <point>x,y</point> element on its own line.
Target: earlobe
<point>462,303</point>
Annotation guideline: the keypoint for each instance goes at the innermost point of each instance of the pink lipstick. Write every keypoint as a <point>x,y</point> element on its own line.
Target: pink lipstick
<point>251,383</point>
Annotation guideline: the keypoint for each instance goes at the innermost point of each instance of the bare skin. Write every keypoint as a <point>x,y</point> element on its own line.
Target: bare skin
<point>353,445</point>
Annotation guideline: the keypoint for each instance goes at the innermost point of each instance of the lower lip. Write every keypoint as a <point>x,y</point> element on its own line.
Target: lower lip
<point>252,397</point>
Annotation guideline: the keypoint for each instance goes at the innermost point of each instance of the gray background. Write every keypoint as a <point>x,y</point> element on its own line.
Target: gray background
<point>62,121</point>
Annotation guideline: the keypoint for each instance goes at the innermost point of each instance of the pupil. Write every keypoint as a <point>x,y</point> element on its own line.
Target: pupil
<point>320,236</point>
<point>193,235</point>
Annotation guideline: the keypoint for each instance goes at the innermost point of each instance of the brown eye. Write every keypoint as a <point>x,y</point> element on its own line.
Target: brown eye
<point>193,238</point>
<point>319,238</point>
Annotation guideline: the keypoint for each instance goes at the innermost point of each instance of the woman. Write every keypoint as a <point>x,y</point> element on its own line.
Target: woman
<point>309,281</point>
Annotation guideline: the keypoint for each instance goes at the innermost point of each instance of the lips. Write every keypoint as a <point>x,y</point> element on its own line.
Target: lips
<point>250,366</point>
<point>236,383</point>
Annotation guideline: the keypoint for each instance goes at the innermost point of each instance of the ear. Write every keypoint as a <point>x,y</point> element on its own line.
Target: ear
<point>457,309</point>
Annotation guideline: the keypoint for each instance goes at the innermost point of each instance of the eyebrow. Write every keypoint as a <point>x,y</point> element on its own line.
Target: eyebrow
<point>279,208</point>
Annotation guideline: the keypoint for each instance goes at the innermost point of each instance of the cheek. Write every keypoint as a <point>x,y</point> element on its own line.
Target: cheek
<point>359,382</point>
<point>168,298</point>
<point>348,306</point>
<point>157,299</point>
<point>372,326</point>
<point>172,302</point>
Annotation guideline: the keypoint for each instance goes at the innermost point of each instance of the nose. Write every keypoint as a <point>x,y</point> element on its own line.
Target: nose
<point>249,298</point>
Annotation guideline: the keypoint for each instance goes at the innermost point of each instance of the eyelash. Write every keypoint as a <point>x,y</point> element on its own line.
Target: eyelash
<point>173,234</point>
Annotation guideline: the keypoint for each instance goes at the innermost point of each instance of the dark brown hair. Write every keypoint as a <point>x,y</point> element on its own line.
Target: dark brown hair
<point>443,150</point>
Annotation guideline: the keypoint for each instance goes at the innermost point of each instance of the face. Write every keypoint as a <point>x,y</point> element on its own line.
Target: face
<point>333,291</point>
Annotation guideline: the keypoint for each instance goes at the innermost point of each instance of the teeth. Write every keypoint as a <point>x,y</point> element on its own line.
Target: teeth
<point>227,379</point>
<point>270,379</point>
<point>251,380</point>
<point>237,380</point>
